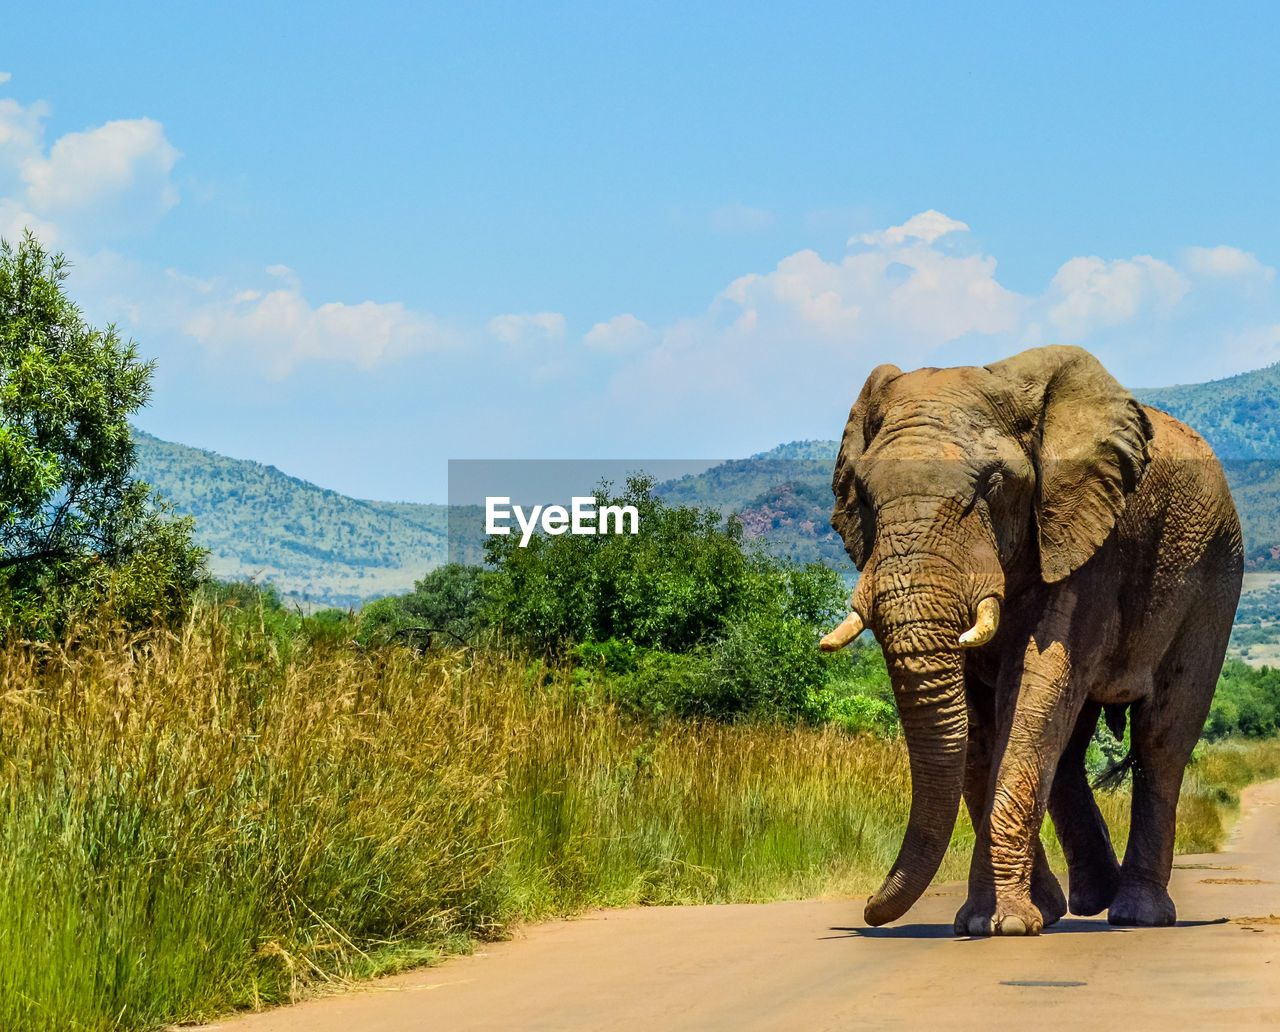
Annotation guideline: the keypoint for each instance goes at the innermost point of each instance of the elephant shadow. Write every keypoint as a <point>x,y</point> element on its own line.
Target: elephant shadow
<point>1068,925</point>
<point>945,931</point>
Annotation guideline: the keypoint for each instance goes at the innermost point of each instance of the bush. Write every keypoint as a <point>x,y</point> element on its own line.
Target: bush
<point>680,619</point>
<point>1246,703</point>
<point>380,619</point>
<point>329,627</point>
<point>682,582</point>
<point>858,695</point>
<point>444,608</point>
<point>255,612</point>
<point>675,585</point>
<point>760,670</point>
<point>766,665</point>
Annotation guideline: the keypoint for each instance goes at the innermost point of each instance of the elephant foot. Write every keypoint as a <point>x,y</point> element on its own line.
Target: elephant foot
<point>1142,903</point>
<point>1093,890</point>
<point>976,914</point>
<point>1016,919</point>
<point>1046,895</point>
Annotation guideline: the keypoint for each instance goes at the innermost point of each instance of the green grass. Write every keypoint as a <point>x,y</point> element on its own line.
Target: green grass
<point>194,824</point>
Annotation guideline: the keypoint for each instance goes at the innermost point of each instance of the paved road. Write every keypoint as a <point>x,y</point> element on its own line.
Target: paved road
<point>816,966</point>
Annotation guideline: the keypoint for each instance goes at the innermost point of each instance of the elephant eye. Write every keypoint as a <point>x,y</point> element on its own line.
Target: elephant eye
<point>860,490</point>
<point>988,485</point>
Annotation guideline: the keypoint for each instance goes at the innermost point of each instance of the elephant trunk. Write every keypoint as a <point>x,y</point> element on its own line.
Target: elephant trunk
<point>930,590</point>
<point>923,601</point>
<point>929,689</point>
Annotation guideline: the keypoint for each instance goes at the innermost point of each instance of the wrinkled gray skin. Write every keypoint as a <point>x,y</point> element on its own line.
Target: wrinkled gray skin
<point>1105,531</point>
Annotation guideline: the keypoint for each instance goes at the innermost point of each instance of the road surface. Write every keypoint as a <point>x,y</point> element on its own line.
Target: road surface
<point>815,966</point>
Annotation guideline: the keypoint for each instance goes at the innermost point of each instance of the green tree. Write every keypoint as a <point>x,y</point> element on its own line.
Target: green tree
<point>77,531</point>
<point>444,607</point>
<point>673,585</point>
<point>682,619</point>
<point>1246,703</point>
<point>448,599</point>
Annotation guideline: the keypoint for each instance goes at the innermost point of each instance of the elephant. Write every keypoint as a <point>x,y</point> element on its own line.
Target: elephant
<point>1035,547</point>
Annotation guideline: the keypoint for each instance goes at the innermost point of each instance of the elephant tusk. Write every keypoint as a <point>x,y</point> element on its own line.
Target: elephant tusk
<point>843,634</point>
<point>984,628</point>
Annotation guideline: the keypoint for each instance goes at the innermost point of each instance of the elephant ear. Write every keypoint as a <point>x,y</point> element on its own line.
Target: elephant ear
<point>849,519</point>
<point>1090,440</point>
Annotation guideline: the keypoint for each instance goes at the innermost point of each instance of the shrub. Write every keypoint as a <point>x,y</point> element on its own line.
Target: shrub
<point>675,585</point>
<point>1246,703</point>
<point>444,607</point>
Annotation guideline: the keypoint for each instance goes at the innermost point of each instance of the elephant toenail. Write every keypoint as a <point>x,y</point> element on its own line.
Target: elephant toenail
<point>1013,925</point>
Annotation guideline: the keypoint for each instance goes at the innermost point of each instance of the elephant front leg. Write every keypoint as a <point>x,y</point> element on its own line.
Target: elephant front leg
<point>1043,714</point>
<point>978,916</point>
<point>975,916</point>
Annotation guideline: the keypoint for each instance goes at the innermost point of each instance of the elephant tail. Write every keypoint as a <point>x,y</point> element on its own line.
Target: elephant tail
<point>1114,775</point>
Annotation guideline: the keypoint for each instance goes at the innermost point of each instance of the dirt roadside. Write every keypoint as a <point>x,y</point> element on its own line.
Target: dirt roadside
<point>815,966</point>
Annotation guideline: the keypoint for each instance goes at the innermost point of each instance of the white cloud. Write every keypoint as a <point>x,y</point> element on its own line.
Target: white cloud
<point>620,334</point>
<point>21,133</point>
<point>783,344</point>
<point>908,294</point>
<point>265,329</point>
<point>86,187</point>
<point>528,327</point>
<point>1253,348</point>
<point>1091,293</point>
<point>287,276</point>
<point>1223,262</point>
<point>15,219</point>
<point>926,227</point>
<point>798,339</point>
<point>5,77</point>
<point>279,329</point>
<point>105,166</point>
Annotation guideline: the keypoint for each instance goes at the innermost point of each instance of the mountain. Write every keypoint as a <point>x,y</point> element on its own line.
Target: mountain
<point>319,546</point>
<point>1239,416</point>
<point>782,497</point>
<point>315,545</point>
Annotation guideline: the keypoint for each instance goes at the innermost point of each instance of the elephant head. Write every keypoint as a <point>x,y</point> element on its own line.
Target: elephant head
<point>952,488</point>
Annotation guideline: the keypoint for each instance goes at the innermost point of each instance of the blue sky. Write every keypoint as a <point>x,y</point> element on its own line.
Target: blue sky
<point>362,241</point>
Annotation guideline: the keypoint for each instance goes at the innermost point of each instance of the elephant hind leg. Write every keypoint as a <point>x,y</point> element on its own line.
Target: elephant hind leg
<point>1164,729</point>
<point>1086,842</point>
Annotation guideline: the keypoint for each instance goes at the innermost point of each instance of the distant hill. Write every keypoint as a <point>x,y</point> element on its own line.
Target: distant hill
<point>734,485</point>
<point>315,545</point>
<point>782,496</point>
<point>1238,416</point>
<point>322,547</point>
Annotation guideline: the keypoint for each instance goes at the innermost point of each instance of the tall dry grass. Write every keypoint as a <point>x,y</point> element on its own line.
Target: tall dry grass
<point>215,820</point>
